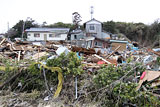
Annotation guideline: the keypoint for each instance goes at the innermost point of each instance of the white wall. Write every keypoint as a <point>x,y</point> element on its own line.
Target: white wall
<point>41,38</point>
<point>79,36</point>
<point>97,26</point>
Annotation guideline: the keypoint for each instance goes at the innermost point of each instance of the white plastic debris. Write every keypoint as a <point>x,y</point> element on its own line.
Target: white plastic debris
<point>147,59</point>
<point>51,57</point>
<point>44,63</point>
<point>37,43</point>
<point>19,84</point>
<point>156,50</point>
<point>148,67</point>
<point>47,98</point>
<point>62,49</point>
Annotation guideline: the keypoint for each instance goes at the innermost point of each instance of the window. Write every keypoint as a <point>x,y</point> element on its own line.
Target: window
<point>57,35</point>
<point>98,43</point>
<point>91,27</point>
<point>95,43</point>
<point>36,35</point>
<point>28,34</point>
<point>51,35</point>
<point>75,36</point>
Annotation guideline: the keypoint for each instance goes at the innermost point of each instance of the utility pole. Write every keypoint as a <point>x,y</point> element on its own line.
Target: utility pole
<point>23,28</point>
<point>8,26</point>
<point>92,11</point>
<point>8,29</point>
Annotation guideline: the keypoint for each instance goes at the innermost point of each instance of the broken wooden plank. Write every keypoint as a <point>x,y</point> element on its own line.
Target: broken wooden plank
<point>156,83</point>
<point>39,55</point>
<point>113,52</point>
<point>19,55</point>
<point>102,59</point>
<point>156,53</point>
<point>2,41</point>
<point>149,76</point>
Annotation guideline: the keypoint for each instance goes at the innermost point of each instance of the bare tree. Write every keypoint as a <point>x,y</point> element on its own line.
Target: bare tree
<point>76,19</point>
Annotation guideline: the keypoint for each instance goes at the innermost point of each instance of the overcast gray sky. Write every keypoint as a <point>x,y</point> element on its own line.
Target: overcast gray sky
<point>52,11</point>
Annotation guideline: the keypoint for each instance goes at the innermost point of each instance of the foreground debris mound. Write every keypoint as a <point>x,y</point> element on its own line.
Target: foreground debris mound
<point>74,75</point>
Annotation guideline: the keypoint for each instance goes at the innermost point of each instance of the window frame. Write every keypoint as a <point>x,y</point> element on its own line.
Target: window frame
<point>51,35</point>
<point>28,34</point>
<point>75,36</point>
<point>91,27</point>
<point>37,35</point>
<point>57,35</point>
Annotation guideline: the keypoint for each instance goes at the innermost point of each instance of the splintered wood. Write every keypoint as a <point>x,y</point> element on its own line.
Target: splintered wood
<point>149,76</point>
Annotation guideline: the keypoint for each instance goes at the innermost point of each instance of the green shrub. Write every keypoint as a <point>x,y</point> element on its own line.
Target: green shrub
<point>70,64</point>
<point>121,93</point>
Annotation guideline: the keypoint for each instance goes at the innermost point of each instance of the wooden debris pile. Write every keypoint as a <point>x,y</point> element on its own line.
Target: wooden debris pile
<point>91,60</point>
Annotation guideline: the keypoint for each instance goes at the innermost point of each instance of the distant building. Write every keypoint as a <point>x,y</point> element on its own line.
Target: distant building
<point>77,35</point>
<point>2,35</point>
<point>93,29</point>
<point>47,34</point>
<point>92,35</point>
<point>117,43</point>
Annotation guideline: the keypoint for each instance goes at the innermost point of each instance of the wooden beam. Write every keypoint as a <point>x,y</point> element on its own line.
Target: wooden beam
<point>113,52</point>
<point>102,59</point>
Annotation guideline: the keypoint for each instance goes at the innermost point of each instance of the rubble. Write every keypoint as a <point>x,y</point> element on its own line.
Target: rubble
<point>26,50</point>
<point>92,59</point>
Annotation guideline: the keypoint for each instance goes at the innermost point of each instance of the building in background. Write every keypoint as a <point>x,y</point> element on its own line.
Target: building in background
<point>2,35</point>
<point>91,37</point>
<point>47,34</point>
<point>117,43</point>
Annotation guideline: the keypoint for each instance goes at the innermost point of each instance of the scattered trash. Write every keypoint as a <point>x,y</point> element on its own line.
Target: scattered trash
<point>122,55</point>
<point>61,50</point>
<point>47,98</point>
<point>147,59</point>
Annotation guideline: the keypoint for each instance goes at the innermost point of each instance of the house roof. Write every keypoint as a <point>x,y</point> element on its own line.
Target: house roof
<point>95,38</point>
<point>89,38</point>
<point>93,20</point>
<point>46,29</point>
<point>77,32</point>
<point>118,41</point>
<point>105,35</point>
<point>102,39</point>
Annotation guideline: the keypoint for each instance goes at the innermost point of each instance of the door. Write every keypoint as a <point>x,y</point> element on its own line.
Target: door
<point>45,37</point>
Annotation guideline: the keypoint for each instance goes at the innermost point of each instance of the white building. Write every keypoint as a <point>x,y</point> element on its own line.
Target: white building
<point>93,35</point>
<point>47,34</point>
<point>77,35</point>
<point>93,28</point>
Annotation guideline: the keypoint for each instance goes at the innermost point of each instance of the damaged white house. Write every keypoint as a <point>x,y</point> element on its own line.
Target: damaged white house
<point>47,34</point>
<point>93,35</point>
